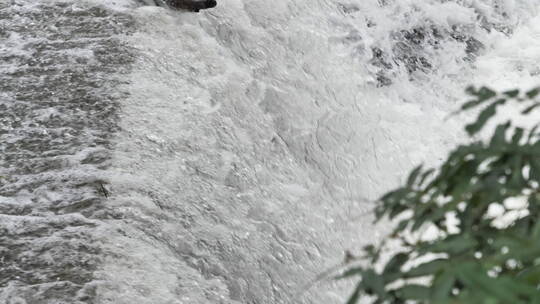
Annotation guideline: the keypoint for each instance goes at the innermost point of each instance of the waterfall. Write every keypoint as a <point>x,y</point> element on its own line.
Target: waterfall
<point>150,155</point>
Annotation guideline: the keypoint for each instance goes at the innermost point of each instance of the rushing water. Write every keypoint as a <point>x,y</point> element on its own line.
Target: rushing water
<point>230,156</point>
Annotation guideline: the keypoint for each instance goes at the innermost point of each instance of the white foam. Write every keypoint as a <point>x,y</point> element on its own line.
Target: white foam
<point>307,136</point>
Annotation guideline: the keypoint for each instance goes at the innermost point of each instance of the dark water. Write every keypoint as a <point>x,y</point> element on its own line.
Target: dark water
<point>60,64</point>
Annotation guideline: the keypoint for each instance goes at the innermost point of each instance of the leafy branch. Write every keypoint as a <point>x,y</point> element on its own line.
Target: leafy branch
<point>484,204</point>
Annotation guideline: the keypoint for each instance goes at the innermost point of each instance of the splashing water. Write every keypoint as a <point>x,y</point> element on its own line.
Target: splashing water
<point>229,156</point>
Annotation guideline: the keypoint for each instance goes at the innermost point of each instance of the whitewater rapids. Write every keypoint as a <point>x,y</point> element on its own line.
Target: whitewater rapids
<point>230,156</point>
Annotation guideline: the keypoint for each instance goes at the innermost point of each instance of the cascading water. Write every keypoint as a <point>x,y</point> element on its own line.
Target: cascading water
<point>230,156</point>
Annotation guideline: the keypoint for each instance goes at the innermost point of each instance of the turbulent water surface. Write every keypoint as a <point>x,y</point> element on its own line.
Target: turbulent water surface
<point>158,156</point>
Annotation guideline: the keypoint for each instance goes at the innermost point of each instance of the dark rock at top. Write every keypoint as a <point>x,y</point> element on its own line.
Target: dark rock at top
<point>192,5</point>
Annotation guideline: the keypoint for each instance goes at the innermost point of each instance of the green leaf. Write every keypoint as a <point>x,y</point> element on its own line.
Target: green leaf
<point>454,244</point>
<point>413,176</point>
<point>482,95</point>
<point>485,93</point>
<point>353,298</point>
<point>483,117</point>
<point>413,292</point>
<point>536,230</point>
<point>395,263</point>
<point>474,278</point>
<point>516,179</point>
<point>531,275</point>
<point>355,271</point>
<point>401,226</point>
<point>442,286</point>
<point>532,133</point>
<point>518,134</point>
<point>530,108</point>
<point>425,175</point>
<point>533,93</point>
<point>534,173</point>
<point>428,268</point>
<point>373,283</point>
<point>499,137</point>
<point>372,253</point>
<point>512,93</point>
<point>421,218</point>
<point>517,287</point>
